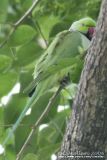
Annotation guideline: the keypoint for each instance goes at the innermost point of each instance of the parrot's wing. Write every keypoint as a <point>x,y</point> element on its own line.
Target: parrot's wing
<point>62,52</point>
<point>44,61</point>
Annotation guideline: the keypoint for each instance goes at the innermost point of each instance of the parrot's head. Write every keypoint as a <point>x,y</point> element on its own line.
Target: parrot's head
<point>85,25</point>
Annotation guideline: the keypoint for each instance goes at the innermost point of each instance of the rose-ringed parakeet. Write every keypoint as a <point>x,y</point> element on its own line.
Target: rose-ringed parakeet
<point>56,62</point>
<point>62,51</point>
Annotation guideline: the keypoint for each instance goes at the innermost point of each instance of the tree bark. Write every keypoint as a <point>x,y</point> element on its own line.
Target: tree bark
<point>86,131</point>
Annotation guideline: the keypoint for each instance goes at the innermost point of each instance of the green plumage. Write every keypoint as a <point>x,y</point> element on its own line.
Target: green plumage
<point>83,25</point>
<point>59,56</point>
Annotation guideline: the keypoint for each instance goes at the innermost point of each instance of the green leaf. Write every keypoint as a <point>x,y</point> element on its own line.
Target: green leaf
<point>1,124</point>
<point>47,151</point>
<point>31,156</point>
<point>26,4</point>
<point>46,23</point>
<point>5,62</point>
<point>59,124</point>
<point>41,104</point>
<point>7,81</point>
<point>22,35</point>
<point>60,26</point>
<point>5,50</point>
<point>22,133</point>
<point>53,133</point>
<point>70,91</point>
<point>28,53</point>
<point>13,108</point>
<point>9,154</point>
<point>3,10</point>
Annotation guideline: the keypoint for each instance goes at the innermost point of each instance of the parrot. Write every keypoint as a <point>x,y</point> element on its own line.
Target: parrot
<point>54,66</point>
<point>54,56</point>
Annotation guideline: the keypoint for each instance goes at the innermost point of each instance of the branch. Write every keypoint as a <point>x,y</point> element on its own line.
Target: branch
<point>26,14</point>
<point>46,111</point>
<point>38,28</point>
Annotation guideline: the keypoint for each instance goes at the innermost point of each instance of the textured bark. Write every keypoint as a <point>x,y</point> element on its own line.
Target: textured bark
<point>87,128</point>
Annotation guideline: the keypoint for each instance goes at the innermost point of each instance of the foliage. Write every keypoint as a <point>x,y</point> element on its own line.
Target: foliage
<point>17,60</point>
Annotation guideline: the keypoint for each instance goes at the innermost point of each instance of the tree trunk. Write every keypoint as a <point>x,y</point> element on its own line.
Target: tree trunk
<point>86,133</point>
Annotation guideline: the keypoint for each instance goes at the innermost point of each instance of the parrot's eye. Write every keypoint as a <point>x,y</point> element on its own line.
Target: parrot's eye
<point>83,24</point>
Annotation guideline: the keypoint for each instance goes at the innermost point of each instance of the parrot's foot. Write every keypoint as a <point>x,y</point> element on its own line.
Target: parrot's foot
<point>65,81</point>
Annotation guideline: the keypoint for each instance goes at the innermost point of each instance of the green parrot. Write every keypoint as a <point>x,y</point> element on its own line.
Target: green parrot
<point>56,63</point>
<point>62,51</point>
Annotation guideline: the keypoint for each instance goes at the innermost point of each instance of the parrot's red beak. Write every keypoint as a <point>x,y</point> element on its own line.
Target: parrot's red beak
<point>90,33</point>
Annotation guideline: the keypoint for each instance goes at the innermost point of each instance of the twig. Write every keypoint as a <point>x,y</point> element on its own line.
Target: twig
<point>27,13</point>
<point>38,28</point>
<point>48,107</point>
<point>15,25</point>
